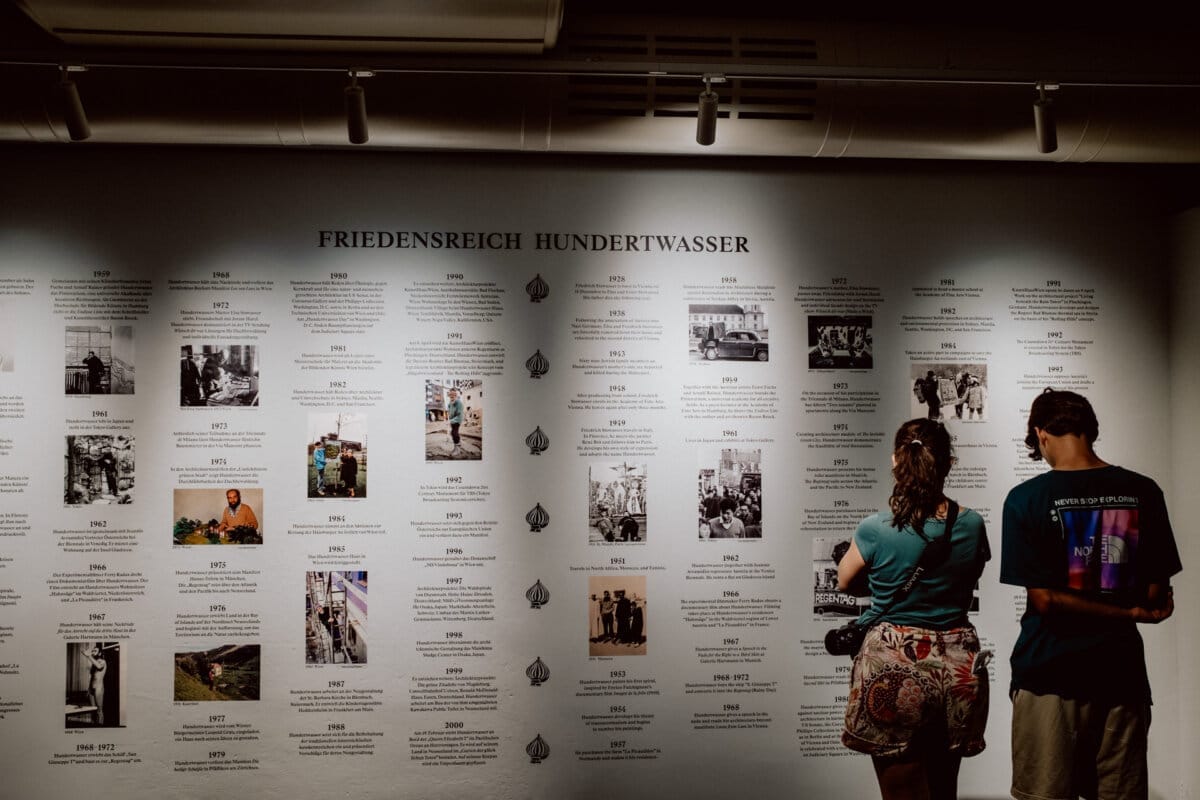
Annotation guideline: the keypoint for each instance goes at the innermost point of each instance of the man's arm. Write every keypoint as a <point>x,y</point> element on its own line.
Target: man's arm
<point>1159,605</point>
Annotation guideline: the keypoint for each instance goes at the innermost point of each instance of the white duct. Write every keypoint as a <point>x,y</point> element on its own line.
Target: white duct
<point>446,26</point>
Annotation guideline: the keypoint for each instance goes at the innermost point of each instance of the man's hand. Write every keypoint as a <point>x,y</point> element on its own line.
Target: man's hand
<point>1159,604</point>
<point>1156,614</point>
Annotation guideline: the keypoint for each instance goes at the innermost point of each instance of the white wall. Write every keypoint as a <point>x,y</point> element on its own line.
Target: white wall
<point>1185,462</point>
<point>172,214</point>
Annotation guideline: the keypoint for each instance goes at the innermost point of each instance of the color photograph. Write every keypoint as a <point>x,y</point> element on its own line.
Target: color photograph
<point>453,420</point>
<point>337,455</point>
<point>335,607</point>
<point>218,516</point>
<point>228,672</point>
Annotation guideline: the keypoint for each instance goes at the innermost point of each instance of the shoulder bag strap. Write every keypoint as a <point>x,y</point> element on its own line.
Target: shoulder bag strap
<point>928,559</point>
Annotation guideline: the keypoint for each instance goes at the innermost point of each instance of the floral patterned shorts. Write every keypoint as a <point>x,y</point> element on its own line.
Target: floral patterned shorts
<point>913,686</point>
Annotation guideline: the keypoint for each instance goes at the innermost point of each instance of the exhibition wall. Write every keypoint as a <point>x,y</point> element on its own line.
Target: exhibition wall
<point>430,410</point>
<point>1185,465</point>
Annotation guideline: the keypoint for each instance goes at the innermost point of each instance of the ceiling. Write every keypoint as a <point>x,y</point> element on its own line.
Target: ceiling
<point>586,76</point>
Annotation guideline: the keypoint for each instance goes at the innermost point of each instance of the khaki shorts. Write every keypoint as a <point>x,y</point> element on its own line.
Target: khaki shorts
<point>1063,749</point>
<point>913,688</point>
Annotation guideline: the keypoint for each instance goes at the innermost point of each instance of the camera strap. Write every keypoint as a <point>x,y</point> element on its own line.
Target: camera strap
<point>933,553</point>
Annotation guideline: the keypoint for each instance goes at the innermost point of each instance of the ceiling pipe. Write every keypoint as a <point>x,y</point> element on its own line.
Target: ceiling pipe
<point>516,114</point>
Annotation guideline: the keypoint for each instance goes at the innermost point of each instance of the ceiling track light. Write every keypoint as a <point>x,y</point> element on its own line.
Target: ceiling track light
<point>72,107</point>
<point>706,111</point>
<point>1043,119</point>
<point>356,108</point>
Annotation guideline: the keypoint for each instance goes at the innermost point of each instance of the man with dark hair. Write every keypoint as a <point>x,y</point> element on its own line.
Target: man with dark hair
<point>454,414</point>
<point>624,616</point>
<point>1092,545</point>
<point>727,526</point>
<point>237,514</point>
<point>108,463</point>
<point>607,607</point>
<point>95,373</point>
<point>930,390</point>
<point>189,379</point>
<point>629,528</point>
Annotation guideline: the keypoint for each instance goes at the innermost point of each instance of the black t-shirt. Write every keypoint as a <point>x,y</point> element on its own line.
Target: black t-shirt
<point>1101,532</point>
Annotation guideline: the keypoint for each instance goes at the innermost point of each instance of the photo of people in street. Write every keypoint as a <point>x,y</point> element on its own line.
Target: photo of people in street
<point>228,672</point>
<point>729,489</point>
<point>616,502</point>
<point>949,392</point>
<point>827,551</point>
<point>218,516</point>
<point>337,455</point>
<point>96,685</point>
<point>453,419</point>
<point>99,470</point>
<point>617,615</point>
<point>218,375</point>
<point>99,359</point>
<point>840,342</point>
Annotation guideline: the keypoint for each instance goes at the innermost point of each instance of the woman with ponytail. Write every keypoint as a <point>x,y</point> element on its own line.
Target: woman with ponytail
<point>918,698</point>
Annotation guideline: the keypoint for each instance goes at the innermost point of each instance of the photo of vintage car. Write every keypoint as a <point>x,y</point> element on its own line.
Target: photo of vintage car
<point>734,344</point>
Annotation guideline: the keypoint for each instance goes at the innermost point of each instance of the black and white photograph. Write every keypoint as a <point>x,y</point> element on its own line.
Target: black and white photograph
<point>453,419</point>
<point>218,516</point>
<point>218,375</point>
<point>227,672</point>
<point>616,502</point>
<point>335,611</point>
<point>99,359</point>
<point>99,470</point>
<point>617,615</point>
<point>721,331</point>
<point>337,455</point>
<point>949,392</point>
<point>840,342</point>
<point>96,696</point>
<point>827,552</point>
<point>729,490</point>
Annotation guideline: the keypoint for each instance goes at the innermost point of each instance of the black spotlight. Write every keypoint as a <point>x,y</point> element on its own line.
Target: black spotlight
<point>706,114</point>
<point>356,109</point>
<point>72,107</point>
<point>1043,121</point>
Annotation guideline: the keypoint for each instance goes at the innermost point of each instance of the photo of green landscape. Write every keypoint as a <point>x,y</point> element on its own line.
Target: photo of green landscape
<point>229,672</point>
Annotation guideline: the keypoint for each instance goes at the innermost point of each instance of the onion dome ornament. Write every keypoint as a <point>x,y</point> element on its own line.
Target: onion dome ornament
<point>537,750</point>
<point>537,442</point>
<point>537,595</point>
<point>537,289</point>
<point>538,365</point>
<point>537,672</point>
<point>537,518</point>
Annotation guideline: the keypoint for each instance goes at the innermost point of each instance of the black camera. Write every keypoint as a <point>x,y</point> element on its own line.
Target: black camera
<point>846,640</point>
